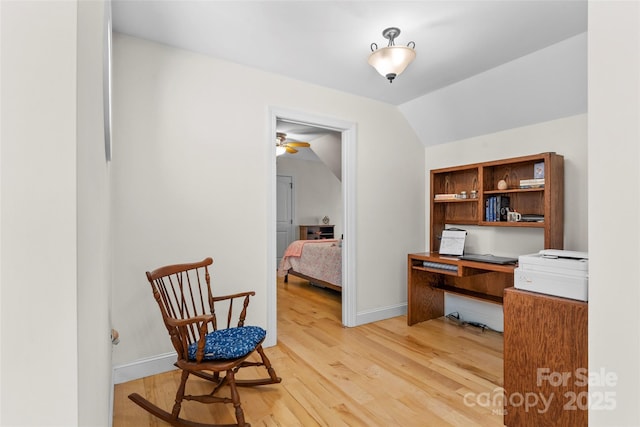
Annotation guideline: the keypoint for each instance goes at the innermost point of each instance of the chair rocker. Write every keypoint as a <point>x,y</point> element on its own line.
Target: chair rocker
<point>183,293</point>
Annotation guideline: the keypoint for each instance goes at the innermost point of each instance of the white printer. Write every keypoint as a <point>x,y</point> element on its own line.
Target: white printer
<point>554,272</point>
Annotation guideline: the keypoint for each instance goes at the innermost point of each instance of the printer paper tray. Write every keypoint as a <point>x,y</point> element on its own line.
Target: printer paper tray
<point>566,286</point>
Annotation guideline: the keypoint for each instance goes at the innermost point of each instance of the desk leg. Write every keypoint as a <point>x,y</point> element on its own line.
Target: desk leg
<point>424,302</point>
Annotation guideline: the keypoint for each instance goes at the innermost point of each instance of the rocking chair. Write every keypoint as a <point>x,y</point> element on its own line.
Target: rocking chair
<point>183,293</point>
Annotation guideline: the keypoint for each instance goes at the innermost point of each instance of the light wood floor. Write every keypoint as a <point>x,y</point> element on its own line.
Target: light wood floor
<point>435,373</point>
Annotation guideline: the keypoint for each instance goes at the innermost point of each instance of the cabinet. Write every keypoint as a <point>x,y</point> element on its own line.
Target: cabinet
<point>545,355</point>
<point>316,232</point>
<point>545,199</point>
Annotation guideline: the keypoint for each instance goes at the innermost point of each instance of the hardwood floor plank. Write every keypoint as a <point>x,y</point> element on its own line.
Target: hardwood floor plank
<point>435,373</point>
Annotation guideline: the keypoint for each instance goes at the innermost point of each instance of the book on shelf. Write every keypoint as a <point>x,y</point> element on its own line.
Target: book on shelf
<point>494,203</point>
<point>496,208</point>
<point>490,209</point>
<point>502,208</point>
<point>450,196</point>
<point>532,183</point>
<point>532,218</point>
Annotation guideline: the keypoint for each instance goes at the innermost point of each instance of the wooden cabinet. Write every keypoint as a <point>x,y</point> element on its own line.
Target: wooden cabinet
<point>316,232</point>
<point>544,200</point>
<point>429,276</point>
<point>545,356</point>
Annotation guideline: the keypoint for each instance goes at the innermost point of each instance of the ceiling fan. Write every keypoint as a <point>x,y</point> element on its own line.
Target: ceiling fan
<point>282,146</point>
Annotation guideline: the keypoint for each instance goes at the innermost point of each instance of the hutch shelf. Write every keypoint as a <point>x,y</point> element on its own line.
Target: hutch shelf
<point>541,201</point>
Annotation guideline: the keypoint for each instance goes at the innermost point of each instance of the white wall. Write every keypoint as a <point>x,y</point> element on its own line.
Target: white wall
<point>316,193</point>
<point>328,148</point>
<point>183,191</point>
<point>542,86</point>
<point>38,210</point>
<point>54,217</point>
<point>93,225</point>
<point>614,235</point>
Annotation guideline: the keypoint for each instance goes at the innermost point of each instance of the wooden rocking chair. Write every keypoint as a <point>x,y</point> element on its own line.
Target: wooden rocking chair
<point>183,293</point>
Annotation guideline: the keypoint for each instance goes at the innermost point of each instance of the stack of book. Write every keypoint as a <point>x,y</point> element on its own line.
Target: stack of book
<point>496,208</point>
<point>532,183</point>
<point>447,196</point>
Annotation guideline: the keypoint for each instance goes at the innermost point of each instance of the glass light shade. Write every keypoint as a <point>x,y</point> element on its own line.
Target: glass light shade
<point>390,61</point>
<point>280,150</point>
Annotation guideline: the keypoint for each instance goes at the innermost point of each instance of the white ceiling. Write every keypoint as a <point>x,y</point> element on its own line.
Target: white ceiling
<point>303,133</point>
<point>328,42</point>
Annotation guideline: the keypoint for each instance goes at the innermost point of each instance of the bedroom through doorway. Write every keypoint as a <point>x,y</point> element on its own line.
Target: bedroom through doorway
<point>343,219</point>
<point>309,207</point>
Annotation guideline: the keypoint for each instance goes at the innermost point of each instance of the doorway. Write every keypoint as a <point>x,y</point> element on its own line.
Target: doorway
<point>348,158</point>
<point>312,169</point>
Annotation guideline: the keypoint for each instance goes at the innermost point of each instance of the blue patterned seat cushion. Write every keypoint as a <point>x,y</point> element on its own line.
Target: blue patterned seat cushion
<point>229,343</point>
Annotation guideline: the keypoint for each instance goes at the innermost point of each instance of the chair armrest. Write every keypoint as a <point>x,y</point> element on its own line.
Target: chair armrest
<point>192,329</point>
<point>231,296</point>
<point>190,321</point>
<point>243,312</point>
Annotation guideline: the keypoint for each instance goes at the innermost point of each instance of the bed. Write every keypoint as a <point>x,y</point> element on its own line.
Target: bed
<point>318,261</point>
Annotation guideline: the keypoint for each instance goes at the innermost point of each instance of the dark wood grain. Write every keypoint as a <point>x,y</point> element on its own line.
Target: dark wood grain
<point>426,286</point>
<point>484,178</point>
<point>545,355</point>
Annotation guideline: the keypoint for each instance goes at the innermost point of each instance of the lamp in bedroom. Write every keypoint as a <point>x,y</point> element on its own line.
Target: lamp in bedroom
<point>392,60</point>
<point>280,147</point>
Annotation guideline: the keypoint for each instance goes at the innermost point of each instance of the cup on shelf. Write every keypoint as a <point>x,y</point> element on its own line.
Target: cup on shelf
<point>513,216</point>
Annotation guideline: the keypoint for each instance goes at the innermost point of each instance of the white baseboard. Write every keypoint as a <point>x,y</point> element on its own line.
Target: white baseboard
<point>383,313</point>
<point>144,368</point>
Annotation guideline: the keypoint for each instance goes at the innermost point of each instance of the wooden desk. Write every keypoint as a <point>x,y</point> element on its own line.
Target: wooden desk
<point>427,284</point>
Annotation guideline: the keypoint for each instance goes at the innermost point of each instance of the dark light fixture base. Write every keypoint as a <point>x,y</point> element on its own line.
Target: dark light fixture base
<point>391,33</point>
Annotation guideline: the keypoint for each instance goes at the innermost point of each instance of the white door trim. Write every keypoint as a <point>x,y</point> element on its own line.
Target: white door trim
<point>349,138</point>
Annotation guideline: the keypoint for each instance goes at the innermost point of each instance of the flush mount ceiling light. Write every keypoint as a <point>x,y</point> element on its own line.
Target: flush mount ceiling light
<point>390,61</point>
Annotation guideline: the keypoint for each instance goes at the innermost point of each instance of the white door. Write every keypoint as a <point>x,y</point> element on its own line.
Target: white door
<point>284,214</point>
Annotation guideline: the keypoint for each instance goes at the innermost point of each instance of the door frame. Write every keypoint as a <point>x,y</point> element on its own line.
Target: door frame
<point>348,146</point>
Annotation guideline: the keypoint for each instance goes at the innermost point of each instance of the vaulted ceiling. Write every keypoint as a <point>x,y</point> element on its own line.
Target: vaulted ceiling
<point>328,42</point>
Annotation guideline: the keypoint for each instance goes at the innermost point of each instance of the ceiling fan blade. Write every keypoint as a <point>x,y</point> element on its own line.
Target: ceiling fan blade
<point>291,150</point>
<point>298,144</point>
